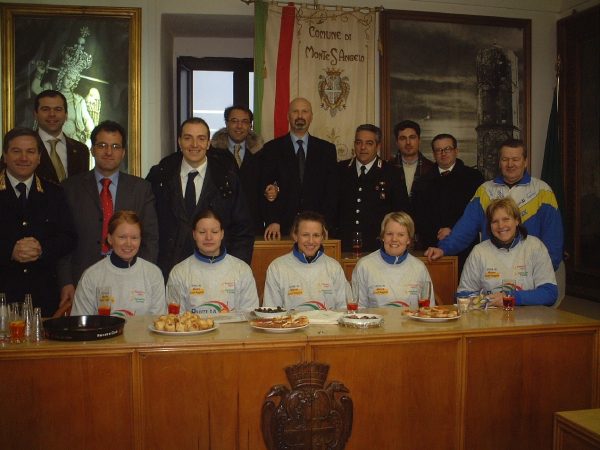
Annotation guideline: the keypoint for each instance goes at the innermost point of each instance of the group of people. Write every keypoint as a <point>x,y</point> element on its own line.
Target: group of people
<point>66,230</point>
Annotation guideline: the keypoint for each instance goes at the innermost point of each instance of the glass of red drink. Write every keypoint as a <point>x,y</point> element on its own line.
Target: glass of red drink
<point>173,300</point>
<point>508,302</point>
<point>16,322</point>
<point>351,305</point>
<point>105,300</point>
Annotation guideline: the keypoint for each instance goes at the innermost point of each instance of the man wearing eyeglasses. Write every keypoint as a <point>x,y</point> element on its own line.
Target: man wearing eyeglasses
<point>94,196</point>
<point>446,191</point>
<point>241,147</point>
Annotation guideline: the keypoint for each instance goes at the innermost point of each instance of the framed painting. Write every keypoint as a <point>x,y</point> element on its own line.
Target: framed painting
<point>90,54</point>
<point>468,76</point>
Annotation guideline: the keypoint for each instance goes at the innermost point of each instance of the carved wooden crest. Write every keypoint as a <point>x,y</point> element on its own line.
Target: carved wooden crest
<point>310,415</point>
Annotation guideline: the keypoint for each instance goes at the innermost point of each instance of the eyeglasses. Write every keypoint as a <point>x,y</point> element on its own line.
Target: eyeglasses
<point>448,149</point>
<point>244,122</point>
<point>104,146</point>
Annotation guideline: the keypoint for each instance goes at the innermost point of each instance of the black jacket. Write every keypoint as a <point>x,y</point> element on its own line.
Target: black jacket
<point>363,204</point>
<point>48,219</point>
<point>249,172</point>
<point>221,192</point>
<point>443,199</point>
<point>317,192</point>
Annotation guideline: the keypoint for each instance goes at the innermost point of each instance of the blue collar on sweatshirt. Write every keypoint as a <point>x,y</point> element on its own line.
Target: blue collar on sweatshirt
<point>525,180</point>
<point>119,262</point>
<point>210,259</point>
<point>512,245</point>
<point>393,259</point>
<point>306,259</point>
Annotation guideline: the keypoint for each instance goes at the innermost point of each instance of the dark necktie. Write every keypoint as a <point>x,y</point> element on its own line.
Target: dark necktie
<point>190,194</point>
<point>23,194</point>
<point>301,158</point>
<point>363,171</point>
<point>444,173</point>
<point>107,211</point>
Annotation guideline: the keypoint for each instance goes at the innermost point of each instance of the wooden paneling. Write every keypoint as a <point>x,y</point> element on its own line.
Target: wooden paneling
<point>267,251</point>
<point>209,400</point>
<point>514,384</point>
<point>82,402</point>
<point>401,392</point>
<point>443,273</point>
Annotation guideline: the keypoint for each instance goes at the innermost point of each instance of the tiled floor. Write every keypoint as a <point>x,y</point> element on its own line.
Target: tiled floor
<point>581,306</point>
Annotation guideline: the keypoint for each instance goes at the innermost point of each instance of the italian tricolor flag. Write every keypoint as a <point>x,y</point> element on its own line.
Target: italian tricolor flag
<point>275,67</point>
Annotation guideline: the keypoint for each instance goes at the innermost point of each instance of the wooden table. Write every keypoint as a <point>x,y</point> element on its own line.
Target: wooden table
<point>485,381</point>
<point>577,430</point>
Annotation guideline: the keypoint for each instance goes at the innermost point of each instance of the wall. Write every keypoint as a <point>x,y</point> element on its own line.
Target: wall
<point>158,54</point>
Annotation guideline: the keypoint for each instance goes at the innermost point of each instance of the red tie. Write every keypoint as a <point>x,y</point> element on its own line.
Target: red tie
<point>107,212</point>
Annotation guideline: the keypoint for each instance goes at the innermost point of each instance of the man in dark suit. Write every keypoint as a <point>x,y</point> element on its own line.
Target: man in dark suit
<point>36,228</point>
<point>191,180</point>
<point>304,168</point>
<point>241,147</point>
<point>84,192</point>
<point>63,156</point>
<point>446,191</point>
<point>369,188</point>
<point>412,163</point>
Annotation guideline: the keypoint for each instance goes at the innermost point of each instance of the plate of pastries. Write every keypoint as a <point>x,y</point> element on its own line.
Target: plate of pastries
<point>434,314</point>
<point>186,324</point>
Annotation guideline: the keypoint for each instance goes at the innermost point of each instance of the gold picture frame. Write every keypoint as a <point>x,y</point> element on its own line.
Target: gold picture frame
<point>43,46</point>
<point>461,74</point>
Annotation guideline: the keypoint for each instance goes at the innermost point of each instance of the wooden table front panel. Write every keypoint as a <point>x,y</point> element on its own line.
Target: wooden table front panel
<point>406,394</point>
<point>82,402</point>
<point>209,400</point>
<point>518,382</point>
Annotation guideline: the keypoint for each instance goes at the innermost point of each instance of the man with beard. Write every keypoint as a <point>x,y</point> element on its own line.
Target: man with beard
<point>304,168</point>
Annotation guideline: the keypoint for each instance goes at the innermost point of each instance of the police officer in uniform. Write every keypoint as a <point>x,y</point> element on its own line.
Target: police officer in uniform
<point>369,188</point>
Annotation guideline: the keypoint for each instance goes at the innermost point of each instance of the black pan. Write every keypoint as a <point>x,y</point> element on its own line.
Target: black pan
<point>83,328</point>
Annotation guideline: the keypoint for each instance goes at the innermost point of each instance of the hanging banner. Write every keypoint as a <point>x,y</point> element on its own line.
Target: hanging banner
<point>325,56</point>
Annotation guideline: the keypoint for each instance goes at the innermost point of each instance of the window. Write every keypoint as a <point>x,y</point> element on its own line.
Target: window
<point>209,85</point>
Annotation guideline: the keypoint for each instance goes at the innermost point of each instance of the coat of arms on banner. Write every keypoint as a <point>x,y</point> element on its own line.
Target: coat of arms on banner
<point>333,90</point>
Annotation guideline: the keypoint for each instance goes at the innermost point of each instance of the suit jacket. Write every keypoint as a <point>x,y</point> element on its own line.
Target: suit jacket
<point>133,193</point>
<point>424,166</point>
<point>249,172</point>
<point>364,203</point>
<point>442,201</point>
<point>78,160</point>
<point>46,218</point>
<point>317,192</point>
<point>221,192</point>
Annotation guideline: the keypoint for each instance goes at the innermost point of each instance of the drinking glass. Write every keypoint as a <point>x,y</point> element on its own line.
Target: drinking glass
<point>105,299</point>
<point>425,300</point>
<point>351,305</point>
<point>357,243</point>
<point>16,324</point>
<point>173,300</point>
<point>508,301</point>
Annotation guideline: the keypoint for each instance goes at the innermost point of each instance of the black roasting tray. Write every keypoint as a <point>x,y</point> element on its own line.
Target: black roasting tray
<point>83,328</point>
